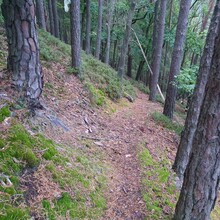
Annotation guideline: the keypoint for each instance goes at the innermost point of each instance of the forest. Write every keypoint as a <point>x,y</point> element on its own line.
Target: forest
<point>109,109</point>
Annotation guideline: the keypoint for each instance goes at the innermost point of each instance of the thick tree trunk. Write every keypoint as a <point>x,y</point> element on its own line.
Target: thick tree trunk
<point>51,17</point>
<point>177,56</point>
<point>129,66</point>
<point>40,14</point>
<point>23,48</point>
<point>201,179</point>
<point>55,18</point>
<point>109,26</point>
<point>75,34</point>
<point>158,35</point>
<point>124,47</point>
<point>88,26</point>
<point>185,145</point>
<point>99,30</point>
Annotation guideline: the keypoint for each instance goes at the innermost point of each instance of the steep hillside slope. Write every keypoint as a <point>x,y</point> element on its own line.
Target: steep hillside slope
<point>84,156</point>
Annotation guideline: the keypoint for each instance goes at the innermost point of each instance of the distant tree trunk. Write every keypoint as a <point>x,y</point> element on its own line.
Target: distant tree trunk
<point>75,34</point>
<point>114,54</point>
<point>129,66</point>
<point>88,26</point>
<point>140,68</point>
<point>55,18</point>
<point>40,14</point>
<point>23,49</point>
<point>99,30</point>
<point>109,26</point>
<point>185,145</point>
<point>52,29</point>
<point>83,28</point>
<point>201,180</point>
<point>157,47</point>
<point>124,47</point>
<point>177,56</point>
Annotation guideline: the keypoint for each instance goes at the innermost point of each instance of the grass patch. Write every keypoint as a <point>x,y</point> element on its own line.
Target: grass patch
<point>83,177</point>
<point>141,86</point>
<point>79,172</point>
<point>167,123</point>
<point>18,151</point>
<point>159,191</point>
<point>52,49</point>
<point>4,113</point>
<point>94,72</point>
<point>105,78</point>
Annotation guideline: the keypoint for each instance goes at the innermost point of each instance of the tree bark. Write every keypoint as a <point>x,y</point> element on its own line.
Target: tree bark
<point>109,26</point>
<point>88,26</point>
<point>23,48</point>
<point>139,71</point>
<point>99,30</point>
<point>124,47</point>
<point>51,17</point>
<point>185,145</point>
<point>201,179</point>
<point>177,56</point>
<point>129,65</point>
<point>40,14</point>
<point>55,18</point>
<point>158,35</point>
<point>75,34</point>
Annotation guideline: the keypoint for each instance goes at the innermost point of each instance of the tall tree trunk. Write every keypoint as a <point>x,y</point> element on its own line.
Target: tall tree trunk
<point>99,30</point>
<point>129,66</point>
<point>177,56</point>
<point>158,35</point>
<point>75,34</point>
<point>83,37</point>
<point>201,179</point>
<point>114,54</point>
<point>109,26</point>
<point>185,145</point>
<point>55,18</point>
<point>51,17</point>
<point>124,47</point>
<point>40,14</point>
<point>23,48</point>
<point>88,26</point>
<point>140,68</point>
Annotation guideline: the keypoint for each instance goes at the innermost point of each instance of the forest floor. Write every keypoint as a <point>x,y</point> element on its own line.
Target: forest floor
<point>114,161</point>
<point>119,129</point>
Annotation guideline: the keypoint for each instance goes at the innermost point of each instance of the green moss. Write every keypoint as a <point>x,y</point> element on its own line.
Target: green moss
<point>13,213</point>
<point>4,113</point>
<point>167,123</point>
<point>96,95</point>
<point>158,188</point>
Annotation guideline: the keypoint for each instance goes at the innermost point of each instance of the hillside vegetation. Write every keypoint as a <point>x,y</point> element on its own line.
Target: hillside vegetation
<point>46,175</point>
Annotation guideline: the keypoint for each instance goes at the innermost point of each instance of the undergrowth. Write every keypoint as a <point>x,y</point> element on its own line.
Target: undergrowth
<point>159,190</point>
<point>79,172</point>
<point>167,123</point>
<point>103,78</point>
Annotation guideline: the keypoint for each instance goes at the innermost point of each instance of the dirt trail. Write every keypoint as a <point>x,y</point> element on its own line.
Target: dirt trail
<point>69,118</point>
<point>118,133</point>
<point>127,128</point>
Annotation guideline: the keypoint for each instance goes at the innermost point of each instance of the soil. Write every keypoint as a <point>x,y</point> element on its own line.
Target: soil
<point>118,128</point>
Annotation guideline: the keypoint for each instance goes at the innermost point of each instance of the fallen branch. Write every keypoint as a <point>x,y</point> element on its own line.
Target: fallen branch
<point>128,97</point>
<point>5,181</point>
<point>151,72</point>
